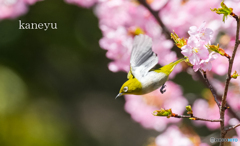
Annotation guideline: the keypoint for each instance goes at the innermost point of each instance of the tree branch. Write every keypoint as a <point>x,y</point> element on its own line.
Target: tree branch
<point>218,97</point>
<point>195,118</point>
<point>233,114</point>
<point>224,97</point>
<point>232,127</point>
<point>155,14</point>
<point>165,30</point>
<point>211,88</point>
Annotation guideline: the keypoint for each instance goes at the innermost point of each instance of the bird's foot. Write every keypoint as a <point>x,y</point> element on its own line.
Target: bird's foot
<point>162,88</point>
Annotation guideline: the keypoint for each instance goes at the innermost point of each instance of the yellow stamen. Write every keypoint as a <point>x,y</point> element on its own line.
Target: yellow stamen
<point>195,50</point>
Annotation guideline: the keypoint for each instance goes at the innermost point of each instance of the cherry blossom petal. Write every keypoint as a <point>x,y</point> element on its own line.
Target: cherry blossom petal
<point>194,59</point>
<point>203,53</point>
<point>186,50</point>
<point>192,30</point>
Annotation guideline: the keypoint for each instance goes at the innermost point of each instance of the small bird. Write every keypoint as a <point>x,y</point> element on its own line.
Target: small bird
<point>142,78</point>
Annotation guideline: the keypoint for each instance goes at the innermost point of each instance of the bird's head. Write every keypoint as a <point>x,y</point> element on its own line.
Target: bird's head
<point>131,86</point>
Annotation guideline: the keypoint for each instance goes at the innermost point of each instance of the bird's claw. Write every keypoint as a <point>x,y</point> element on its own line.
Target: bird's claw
<point>162,88</point>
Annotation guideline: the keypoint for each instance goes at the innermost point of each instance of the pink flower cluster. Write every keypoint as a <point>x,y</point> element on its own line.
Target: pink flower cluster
<point>193,13</point>
<point>10,9</point>
<point>173,136</point>
<point>196,49</point>
<point>120,21</point>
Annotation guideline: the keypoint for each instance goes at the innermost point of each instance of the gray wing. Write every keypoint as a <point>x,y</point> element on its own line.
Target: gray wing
<point>142,58</point>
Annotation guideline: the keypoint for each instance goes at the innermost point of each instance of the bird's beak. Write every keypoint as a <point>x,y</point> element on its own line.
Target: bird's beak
<point>120,94</point>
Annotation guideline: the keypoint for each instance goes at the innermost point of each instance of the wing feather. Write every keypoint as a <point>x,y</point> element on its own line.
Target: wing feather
<point>142,57</point>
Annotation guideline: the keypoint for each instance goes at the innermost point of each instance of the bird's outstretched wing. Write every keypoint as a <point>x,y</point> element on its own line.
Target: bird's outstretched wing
<point>142,58</point>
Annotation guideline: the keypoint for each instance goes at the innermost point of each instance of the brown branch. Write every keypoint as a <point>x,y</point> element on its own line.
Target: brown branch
<point>195,118</point>
<point>224,97</point>
<point>155,14</point>
<point>232,127</point>
<point>201,77</point>
<point>211,88</point>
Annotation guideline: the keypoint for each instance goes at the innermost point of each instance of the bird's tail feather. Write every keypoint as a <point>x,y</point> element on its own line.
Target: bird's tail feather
<point>169,68</point>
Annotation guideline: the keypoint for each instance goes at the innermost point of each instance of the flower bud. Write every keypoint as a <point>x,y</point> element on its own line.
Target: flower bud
<point>218,50</point>
<point>180,42</point>
<point>167,113</point>
<point>189,109</point>
<point>234,75</point>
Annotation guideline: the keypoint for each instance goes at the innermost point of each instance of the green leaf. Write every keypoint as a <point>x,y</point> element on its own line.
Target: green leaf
<point>224,10</point>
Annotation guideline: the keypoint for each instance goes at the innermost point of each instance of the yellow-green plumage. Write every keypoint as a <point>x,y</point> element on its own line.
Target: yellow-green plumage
<point>142,78</point>
<point>134,87</point>
<point>169,68</point>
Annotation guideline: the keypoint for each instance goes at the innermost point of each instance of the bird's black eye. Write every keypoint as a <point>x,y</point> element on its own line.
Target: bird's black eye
<point>125,89</point>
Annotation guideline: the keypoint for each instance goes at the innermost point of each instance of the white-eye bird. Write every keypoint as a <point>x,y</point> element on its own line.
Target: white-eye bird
<point>142,78</point>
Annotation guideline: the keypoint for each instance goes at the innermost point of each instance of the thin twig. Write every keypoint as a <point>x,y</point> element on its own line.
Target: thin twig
<point>232,127</point>
<point>224,97</point>
<point>211,88</point>
<point>155,14</point>
<point>195,118</point>
<point>233,113</point>
<point>218,97</point>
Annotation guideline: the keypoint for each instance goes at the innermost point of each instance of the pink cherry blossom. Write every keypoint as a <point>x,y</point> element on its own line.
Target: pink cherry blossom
<point>118,43</point>
<point>174,137</point>
<point>195,50</point>
<point>114,13</point>
<point>141,107</point>
<point>119,21</point>
<point>157,4</point>
<point>10,9</point>
<point>206,64</point>
<point>185,14</point>
<point>202,33</point>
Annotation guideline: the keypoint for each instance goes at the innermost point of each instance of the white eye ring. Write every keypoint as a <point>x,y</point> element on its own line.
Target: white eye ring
<point>125,89</point>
